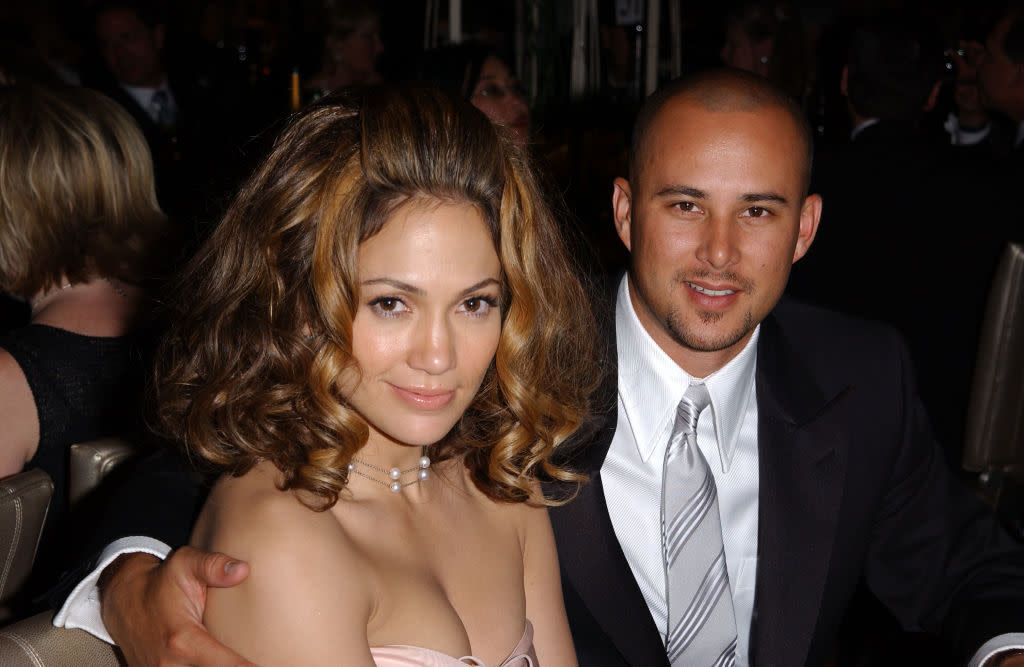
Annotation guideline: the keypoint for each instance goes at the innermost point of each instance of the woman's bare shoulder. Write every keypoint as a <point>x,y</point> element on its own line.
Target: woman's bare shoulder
<point>305,580</point>
<point>251,517</point>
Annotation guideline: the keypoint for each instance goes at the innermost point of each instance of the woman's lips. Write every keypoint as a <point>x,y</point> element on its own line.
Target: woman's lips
<point>425,399</point>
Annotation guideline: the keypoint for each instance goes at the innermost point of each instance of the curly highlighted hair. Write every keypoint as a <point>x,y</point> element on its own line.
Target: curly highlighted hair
<point>262,329</point>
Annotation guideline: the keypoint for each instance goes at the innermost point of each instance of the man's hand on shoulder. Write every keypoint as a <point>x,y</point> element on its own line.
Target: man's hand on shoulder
<point>154,610</point>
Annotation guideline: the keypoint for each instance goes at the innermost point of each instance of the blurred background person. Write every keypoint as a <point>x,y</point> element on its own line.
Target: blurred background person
<point>988,118</point>
<point>476,73</point>
<point>193,126</point>
<point>352,48</point>
<point>885,183</point>
<point>80,234</point>
<point>768,39</point>
<point>1001,73</point>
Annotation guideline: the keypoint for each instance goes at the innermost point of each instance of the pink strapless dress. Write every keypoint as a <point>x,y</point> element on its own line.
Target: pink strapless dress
<point>523,655</point>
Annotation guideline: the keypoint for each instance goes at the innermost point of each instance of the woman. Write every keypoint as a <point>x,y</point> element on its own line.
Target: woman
<point>382,345</point>
<point>79,226</point>
<point>351,48</point>
<point>480,76</point>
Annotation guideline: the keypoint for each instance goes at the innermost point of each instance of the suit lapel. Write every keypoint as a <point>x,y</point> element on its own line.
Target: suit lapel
<point>594,566</point>
<point>802,460</point>
<point>592,562</point>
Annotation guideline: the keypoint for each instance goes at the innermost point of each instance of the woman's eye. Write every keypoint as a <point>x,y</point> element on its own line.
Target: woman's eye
<point>388,305</point>
<point>491,91</point>
<point>479,305</point>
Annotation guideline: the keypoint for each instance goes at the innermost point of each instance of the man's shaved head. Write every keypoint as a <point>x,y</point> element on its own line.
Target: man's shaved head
<point>718,90</point>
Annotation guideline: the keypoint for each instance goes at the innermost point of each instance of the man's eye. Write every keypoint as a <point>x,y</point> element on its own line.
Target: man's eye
<point>757,211</point>
<point>687,206</point>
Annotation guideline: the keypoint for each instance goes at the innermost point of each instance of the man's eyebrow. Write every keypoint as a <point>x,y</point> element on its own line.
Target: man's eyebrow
<point>681,191</point>
<point>754,197</point>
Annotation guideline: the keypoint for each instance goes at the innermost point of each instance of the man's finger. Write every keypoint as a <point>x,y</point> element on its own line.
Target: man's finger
<point>215,569</point>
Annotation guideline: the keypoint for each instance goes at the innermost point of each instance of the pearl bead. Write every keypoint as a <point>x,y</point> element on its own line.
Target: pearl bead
<point>423,474</point>
<point>396,487</point>
<point>351,466</point>
<point>424,461</point>
<point>395,473</point>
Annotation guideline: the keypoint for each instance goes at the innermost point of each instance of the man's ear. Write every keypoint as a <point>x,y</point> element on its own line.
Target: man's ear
<point>158,36</point>
<point>844,80</point>
<point>622,210</point>
<point>810,216</point>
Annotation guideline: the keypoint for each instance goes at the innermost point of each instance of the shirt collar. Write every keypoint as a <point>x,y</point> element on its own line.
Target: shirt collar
<point>143,95</point>
<point>651,384</point>
<point>863,126</point>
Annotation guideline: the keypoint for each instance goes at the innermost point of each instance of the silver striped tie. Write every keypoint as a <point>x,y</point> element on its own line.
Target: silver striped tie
<point>701,625</point>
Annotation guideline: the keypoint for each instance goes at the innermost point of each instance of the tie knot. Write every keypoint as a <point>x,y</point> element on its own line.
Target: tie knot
<point>692,404</point>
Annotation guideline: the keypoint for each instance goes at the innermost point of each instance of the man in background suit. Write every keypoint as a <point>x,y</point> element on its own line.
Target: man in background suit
<point>890,181</point>
<point>131,43</point>
<point>825,467</point>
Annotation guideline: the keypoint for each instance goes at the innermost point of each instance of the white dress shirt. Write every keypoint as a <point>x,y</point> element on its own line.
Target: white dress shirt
<point>650,386</point>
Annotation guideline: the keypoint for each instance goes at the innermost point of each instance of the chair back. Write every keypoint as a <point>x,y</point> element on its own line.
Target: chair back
<point>995,418</point>
<point>24,503</point>
<point>35,642</point>
<point>92,461</point>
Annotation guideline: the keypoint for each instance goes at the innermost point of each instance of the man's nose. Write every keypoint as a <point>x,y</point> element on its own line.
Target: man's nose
<point>718,246</point>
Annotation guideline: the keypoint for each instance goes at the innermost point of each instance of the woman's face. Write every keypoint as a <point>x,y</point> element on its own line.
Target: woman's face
<point>741,52</point>
<point>498,95</point>
<point>428,320</point>
<point>358,53</point>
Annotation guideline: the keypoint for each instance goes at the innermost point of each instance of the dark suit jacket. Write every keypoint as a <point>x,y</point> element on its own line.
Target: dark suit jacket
<point>885,251</point>
<point>852,485</point>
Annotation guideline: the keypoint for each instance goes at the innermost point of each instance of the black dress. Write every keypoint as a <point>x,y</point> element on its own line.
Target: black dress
<point>84,388</point>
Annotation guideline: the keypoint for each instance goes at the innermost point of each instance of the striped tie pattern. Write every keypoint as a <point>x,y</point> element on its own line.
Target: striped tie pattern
<point>701,625</point>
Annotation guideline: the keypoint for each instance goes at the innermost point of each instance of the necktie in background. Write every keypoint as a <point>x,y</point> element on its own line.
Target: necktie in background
<point>160,109</point>
<point>701,623</point>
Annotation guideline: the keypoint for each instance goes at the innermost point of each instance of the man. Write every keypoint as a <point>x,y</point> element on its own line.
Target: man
<point>824,467</point>
<point>993,76</point>
<point>1001,71</point>
<point>192,124</point>
<point>893,72</point>
<point>131,44</point>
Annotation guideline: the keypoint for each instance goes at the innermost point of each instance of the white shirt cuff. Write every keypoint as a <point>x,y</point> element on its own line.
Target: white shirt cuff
<point>1008,642</point>
<point>82,608</point>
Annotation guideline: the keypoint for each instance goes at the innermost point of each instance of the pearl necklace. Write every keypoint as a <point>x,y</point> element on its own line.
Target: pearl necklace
<point>394,474</point>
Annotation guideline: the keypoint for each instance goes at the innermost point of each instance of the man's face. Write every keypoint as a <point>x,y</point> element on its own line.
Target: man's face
<point>996,72</point>
<point>130,48</point>
<point>713,221</point>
